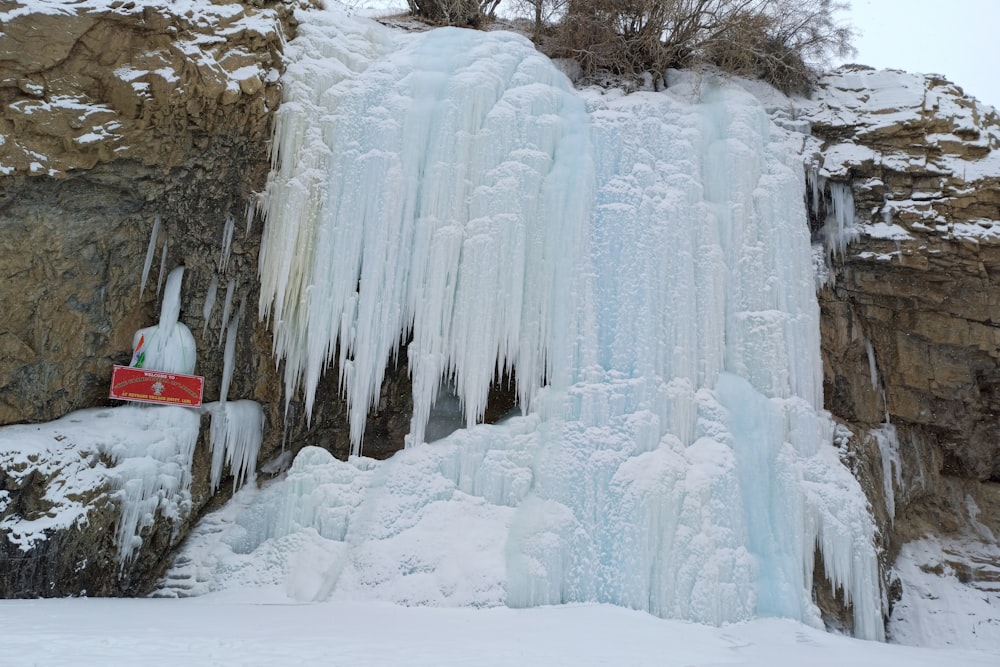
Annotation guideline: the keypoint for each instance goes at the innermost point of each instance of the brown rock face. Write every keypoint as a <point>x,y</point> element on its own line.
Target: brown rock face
<point>911,313</point>
<point>115,118</point>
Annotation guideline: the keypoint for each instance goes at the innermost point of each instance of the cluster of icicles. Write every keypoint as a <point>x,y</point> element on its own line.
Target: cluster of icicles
<point>642,264</point>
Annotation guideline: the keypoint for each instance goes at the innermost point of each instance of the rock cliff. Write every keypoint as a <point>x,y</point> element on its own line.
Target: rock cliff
<point>911,306</point>
<point>123,113</point>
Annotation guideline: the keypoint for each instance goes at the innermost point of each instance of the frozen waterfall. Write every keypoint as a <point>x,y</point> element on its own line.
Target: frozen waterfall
<point>642,261</point>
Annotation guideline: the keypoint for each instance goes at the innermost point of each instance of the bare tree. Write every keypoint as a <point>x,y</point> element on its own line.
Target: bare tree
<point>543,13</point>
<point>470,13</point>
<point>781,41</point>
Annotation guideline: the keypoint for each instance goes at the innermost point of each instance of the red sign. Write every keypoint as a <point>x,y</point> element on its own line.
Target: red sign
<point>146,386</point>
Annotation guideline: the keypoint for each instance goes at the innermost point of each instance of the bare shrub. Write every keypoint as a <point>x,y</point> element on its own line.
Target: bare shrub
<point>780,41</point>
<point>470,13</point>
<point>543,13</point>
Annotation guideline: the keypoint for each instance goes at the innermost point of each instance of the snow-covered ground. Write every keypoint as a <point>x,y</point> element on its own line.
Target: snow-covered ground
<point>223,631</point>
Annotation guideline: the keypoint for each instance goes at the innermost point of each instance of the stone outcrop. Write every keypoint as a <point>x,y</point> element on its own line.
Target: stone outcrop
<point>911,307</point>
<point>123,113</point>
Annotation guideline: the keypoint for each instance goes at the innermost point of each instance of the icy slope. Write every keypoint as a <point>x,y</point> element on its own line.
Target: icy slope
<point>642,262</point>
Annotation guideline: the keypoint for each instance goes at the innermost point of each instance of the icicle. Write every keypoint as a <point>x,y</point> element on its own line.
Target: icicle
<point>163,268</point>
<point>872,367</point>
<point>206,311</point>
<point>887,209</point>
<point>840,228</point>
<point>227,242</point>
<point>236,433</point>
<point>226,307</point>
<point>229,357</point>
<point>250,213</point>
<point>817,187</point>
<point>892,466</point>
<point>150,250</point>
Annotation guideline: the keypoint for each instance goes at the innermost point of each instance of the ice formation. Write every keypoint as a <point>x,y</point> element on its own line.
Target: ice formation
<point>227,241</point>
<point>169,344</point>
<point>840,227</point>
<point>150,251</point>
<point>446,211</point>
<point>209,305</point>
<point>237,428</point>
<point>163,269</point>
<point>152,468</point>
<point>150,449</point>
<point>872,365</point>
<point>641,261</point>
<point>229,354</point>
<point>227,305</point>
<point>236,433</point>
<point>892,466</point>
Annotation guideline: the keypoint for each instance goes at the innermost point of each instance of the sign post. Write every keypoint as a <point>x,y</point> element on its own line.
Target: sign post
<point>146,386</point>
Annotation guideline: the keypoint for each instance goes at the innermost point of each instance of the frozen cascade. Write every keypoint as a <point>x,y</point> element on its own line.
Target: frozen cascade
<point>645,257</point>
<point>169,344</point>
<point>152,470</point>
<point>393,237</point>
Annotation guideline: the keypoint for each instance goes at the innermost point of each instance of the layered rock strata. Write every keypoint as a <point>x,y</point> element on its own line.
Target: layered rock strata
<point>911,306</point>
<point>112,115</point>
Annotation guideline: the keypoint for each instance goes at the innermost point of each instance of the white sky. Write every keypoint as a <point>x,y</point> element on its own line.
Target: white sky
<point>957,38</point>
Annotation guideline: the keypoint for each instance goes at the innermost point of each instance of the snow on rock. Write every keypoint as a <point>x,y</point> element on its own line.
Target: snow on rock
<point>139,456</point>
<point>130,103</point>
<point>932,152</point>
<point>639,261</point>
<point>951,590</point>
